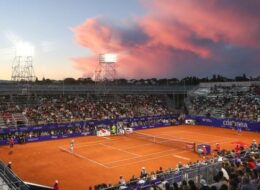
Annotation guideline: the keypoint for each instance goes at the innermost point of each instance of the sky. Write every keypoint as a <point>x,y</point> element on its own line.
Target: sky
<point>152,38</point>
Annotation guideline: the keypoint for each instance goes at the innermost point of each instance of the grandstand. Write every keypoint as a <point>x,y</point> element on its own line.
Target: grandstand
<point>48,112</point>
<point>226,100</point>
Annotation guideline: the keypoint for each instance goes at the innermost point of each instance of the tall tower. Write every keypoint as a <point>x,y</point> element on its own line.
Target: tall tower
<point>106,69</point>
<point>22,67</point>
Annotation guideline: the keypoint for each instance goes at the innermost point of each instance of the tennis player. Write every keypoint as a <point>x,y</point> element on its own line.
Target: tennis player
<point>239,130</point>
<point>11,145</point>
<point>11,142</point>
<point>72,143</point>
<point>233,126</point>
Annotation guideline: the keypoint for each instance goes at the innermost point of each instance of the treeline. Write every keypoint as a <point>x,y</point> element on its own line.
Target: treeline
<point>152,81</point>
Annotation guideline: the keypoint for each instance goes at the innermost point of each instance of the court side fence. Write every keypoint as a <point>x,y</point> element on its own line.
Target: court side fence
<point>195,173</point>
<point>9,181</point>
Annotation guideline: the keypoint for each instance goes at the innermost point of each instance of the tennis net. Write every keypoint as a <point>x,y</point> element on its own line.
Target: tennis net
<point>175,143</point>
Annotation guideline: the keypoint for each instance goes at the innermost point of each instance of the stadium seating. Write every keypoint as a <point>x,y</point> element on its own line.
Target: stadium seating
<point>225,102</point>
<point>51,109</point>
<point>2,123</point>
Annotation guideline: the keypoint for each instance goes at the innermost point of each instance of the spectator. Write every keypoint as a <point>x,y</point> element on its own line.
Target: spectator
<point>143,173</point>
<point>153,176</point>
<point>232,174</point>
<point>9,165</point>
<point>184,185</point>
<point>175,186</point>
<point>56,185</point>
<point>204,185</point>
<point>228,102</point>
<point>122,181</point>
<point>246,184</point>
<point>192,185</point>
<point>223,187</point>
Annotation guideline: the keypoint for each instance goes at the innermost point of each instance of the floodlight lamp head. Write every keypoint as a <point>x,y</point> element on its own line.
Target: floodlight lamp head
<point>24,49</point>
<point>108,58</point>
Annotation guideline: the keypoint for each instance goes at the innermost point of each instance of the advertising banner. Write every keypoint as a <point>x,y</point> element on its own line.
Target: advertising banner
<point>226,123</point>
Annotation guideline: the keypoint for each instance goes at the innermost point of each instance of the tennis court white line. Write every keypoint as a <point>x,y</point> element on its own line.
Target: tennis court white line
<point>154,158</point>
<point>126,159</point>
<point>222,142</point>
<point>168,137</point>
<point>181,157</point>
<point>161,135</point>
<point>142,156</point>
<point>80,145</point>
<point>135,146</point>
<point>83,157</point>
<point>204,134</point>
<point>119,149</point>
<point>178,138</point>
<point>106,138</point>
<point>229,141</point>
<point>225,139</point>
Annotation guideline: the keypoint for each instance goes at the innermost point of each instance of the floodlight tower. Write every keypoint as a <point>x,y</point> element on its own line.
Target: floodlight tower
<point>22,67</point>
<point>106,69</point>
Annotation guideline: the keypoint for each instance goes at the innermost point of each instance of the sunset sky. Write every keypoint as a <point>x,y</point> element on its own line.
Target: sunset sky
<point>153,38</point>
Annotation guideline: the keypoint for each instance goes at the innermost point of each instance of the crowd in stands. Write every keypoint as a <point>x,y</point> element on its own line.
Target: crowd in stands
<point>50,109</point>
<point>227,102</point>
<point>226,170</point>
<point>21,137</point>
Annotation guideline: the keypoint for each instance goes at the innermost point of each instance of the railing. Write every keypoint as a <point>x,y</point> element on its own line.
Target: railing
<point>195,173</point>
<point>112,89</point>
<point>10,179</point>
<point>4,184</point>
<point>230,84</point>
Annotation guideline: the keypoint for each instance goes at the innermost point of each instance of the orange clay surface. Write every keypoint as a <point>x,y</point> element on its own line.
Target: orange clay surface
<point>104,159</point>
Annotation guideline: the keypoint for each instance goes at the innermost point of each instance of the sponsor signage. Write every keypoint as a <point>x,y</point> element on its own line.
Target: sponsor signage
<point>227,123</point>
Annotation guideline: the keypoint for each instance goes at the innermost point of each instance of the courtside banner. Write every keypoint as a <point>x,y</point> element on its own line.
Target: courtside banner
<point>226,123</point>
<point>48,137</point>
<point>52,137</point>
<point>88,123</point>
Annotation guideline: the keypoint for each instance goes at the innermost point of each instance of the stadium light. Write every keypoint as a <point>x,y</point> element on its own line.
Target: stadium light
<point>108,58</point>
<point>24,49</point>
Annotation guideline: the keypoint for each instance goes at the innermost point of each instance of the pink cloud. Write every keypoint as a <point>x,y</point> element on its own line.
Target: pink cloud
<point>215,19</point>
<point>172,37</point>
<point>96,35</point>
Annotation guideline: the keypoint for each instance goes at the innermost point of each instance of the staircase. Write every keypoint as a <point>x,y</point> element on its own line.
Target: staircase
<point>20,119</point>
<point>2,123</point>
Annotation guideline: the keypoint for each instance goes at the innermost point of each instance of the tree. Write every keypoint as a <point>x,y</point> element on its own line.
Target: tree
<point>70,81</point>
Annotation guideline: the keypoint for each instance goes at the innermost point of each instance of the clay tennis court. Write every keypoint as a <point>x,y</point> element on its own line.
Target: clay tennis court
<point>104,159</point>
